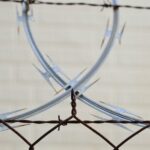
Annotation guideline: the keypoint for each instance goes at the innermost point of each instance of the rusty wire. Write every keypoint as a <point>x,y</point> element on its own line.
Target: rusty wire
<point>74,119</point>
<point>104,5</point>
<point>76,122</point>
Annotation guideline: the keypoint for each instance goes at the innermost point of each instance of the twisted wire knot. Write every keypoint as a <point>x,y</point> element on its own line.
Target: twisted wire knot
<point>73,103</point>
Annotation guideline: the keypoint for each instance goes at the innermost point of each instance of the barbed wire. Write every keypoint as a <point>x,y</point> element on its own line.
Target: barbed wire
<point>58,123</point>
<point>104,5</point>
<point>76,122</point>
<point>32,145</point>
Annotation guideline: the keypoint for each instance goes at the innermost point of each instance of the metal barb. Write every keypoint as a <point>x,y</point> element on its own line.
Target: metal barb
<point>61,122</point>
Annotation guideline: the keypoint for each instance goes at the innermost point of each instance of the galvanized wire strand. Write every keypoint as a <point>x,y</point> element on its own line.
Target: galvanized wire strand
<point>60,80</point>
<point>53,74</point>
<point>104,5</point>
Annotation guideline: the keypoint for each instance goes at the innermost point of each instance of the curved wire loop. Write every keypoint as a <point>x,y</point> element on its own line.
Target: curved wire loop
<point>61,81</point>
<point>56,77</point>
<point>82,81</point>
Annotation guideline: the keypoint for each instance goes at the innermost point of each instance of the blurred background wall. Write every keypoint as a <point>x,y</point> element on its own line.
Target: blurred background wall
<point>72,37</point>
